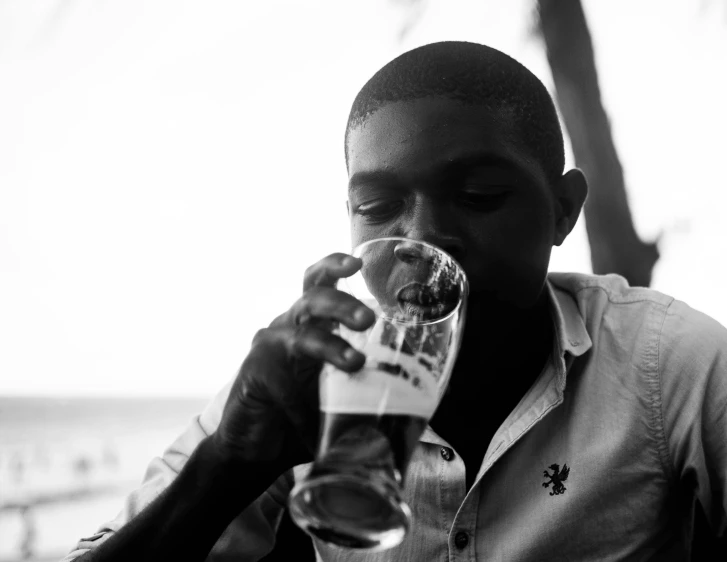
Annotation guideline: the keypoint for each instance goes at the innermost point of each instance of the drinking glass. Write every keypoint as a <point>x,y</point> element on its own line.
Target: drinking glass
<point>371,420</point>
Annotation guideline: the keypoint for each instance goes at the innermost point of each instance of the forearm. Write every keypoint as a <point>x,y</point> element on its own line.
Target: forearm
<point>186,520</point>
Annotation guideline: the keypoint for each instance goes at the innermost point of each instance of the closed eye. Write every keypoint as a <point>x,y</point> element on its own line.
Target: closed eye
<point>378,211</point>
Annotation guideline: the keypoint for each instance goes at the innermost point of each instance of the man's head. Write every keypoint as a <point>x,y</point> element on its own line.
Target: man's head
<point>472,74</point>
<point>458,144</point>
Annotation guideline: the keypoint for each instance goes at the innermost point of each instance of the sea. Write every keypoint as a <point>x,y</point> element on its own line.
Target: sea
<point>66,465</point>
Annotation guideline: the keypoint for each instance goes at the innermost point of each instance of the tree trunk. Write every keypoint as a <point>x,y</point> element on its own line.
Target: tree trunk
<point>615,246</point>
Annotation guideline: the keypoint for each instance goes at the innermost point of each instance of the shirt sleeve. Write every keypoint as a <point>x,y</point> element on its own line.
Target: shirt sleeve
<point>693,377</point>
<point>249,537</point>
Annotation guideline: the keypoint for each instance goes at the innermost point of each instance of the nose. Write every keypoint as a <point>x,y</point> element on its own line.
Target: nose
<point>408,252</point>
<point>431,221</point>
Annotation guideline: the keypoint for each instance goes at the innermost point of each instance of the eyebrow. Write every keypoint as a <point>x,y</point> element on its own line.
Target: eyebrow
<point>374,176</point>
<point>456,166</point>
<point>478,159</point>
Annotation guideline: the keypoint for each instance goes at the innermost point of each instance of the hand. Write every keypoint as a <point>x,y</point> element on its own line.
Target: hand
<point>272,414</point>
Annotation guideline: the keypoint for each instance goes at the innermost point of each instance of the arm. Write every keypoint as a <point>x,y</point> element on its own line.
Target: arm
<point>250,535</point>
<point>693,378</point>
<point>188,517</point>
<point>261,426</point>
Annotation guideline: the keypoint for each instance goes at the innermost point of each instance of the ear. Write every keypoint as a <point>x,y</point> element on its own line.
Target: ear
<point>570,194</point>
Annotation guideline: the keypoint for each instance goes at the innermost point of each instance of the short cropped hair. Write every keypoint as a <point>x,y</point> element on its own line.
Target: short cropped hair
<point>474,74</point>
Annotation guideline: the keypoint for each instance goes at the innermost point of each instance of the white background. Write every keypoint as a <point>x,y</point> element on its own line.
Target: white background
<point>168,169</point>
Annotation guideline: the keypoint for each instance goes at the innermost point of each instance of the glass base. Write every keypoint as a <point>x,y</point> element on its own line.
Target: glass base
<point>351,511</point>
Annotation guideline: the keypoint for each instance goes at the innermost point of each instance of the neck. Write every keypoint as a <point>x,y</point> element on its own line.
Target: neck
<point>503,340</point>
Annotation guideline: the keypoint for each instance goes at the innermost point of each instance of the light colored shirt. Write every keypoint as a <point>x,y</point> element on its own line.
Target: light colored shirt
<point>633,400</point>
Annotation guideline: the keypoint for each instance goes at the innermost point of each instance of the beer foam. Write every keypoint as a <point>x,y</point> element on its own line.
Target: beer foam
<point>390,382</point>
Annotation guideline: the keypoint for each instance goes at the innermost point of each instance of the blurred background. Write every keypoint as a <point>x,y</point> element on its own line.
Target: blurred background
<point>169,168</point>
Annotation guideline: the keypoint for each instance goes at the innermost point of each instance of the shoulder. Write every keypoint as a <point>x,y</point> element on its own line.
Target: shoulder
<point>607,304</point>
<point>691,340</point>
<point>612,288</point>
<point>679,333</point>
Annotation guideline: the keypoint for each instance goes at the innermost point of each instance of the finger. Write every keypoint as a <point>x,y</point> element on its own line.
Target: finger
<point>289,361</point>
<point>313,342</point>
<point>329,270</point>
<point>331,305</point>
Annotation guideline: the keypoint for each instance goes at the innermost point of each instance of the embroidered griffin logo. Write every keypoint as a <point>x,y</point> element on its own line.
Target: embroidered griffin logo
<point>556,479</point>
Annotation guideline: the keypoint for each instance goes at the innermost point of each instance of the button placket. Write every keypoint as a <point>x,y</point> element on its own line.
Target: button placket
<point>462,532</point>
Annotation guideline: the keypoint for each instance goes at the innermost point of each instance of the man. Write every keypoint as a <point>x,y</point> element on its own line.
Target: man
<point>585,420</point>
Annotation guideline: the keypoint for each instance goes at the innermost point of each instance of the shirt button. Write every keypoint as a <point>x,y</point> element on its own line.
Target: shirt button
<point>461,539</point>
<point>447,453</point>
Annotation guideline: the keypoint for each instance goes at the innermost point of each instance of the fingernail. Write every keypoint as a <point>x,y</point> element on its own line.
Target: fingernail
<point>348,261</point>
<point>360,315</point>
<point>350,354</point>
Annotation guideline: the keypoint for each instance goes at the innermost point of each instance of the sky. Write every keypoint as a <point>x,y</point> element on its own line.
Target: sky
<point>168,169</point>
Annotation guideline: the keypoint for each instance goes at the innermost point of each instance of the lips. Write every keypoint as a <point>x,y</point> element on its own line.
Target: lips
<point>425,302</point>
<point>416,293</point>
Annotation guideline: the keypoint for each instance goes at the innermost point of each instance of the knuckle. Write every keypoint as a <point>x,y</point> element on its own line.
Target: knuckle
<point>309,340</point>
<point>306,308</point>
<point>298,341</point>
<point>321,272</point>
<point>260,336</point>
<point>310,270</point>
<point>318,277</point>
<point>309,294</point>
<point>280,320</point>
<point>318,270</point>
<point>314,298</point>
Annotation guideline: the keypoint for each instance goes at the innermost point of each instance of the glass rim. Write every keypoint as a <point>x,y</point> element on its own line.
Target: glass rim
<point>464,282</point>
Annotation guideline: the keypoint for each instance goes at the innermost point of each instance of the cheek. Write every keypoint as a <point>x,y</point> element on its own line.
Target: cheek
<point>355,236</point>
<point>359,233</point>
<point>362,232</point>
<point>517,250</point>
<point>526,263</point>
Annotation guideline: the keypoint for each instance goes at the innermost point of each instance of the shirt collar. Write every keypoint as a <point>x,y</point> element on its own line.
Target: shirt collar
<point>571,335</point>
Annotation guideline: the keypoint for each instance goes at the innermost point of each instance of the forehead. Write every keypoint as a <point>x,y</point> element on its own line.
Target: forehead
<point>416,137</point>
